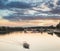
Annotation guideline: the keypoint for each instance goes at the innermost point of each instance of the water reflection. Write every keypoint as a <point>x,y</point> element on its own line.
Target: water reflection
<point>37,42</point>
<point>49,33</point>
<point>35,29</point>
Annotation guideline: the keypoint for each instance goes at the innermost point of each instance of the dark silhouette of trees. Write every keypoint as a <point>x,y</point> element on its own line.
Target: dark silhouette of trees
<point>37,29</point>
<point>58,26</point>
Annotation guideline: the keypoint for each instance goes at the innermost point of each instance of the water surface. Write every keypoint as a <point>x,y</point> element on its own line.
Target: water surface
<point>37,41</point>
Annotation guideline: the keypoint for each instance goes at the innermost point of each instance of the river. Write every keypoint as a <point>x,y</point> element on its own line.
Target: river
<point>38,42</point>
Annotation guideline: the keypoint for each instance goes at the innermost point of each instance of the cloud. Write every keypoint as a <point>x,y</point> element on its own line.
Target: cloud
<point>18,5</point>
<point>55,11</point>
<point>55,2</point>
<point>14,4</point>
<point>42,7</point>
<point>18,9</point>
<point>3,4</point>
<point>5,12</point>
<point>58,3</point>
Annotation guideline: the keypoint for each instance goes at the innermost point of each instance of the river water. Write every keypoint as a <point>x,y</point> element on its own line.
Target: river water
<point>38,42</point>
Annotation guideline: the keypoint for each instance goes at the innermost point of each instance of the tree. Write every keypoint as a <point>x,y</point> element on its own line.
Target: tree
<point>58,26</point>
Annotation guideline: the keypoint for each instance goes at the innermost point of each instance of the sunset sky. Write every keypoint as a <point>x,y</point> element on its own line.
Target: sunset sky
<point>15,10</point>
<point>27,13</point>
